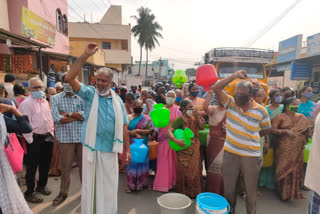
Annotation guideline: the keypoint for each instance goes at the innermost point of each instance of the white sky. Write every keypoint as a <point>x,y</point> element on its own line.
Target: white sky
<point>193,27</point>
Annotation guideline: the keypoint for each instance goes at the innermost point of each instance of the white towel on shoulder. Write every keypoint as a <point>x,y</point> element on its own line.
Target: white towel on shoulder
<point>91,130</point>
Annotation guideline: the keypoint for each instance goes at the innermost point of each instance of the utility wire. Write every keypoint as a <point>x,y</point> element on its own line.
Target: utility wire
<point>75,3</point>
<point>273,23</point>
<point>105,3</point>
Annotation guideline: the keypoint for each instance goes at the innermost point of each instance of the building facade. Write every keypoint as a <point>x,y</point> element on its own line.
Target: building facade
<point>36,35</point>
<point>112,37</point>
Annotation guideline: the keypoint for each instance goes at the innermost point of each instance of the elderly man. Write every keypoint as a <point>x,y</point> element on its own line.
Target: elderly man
<point>58,86</point>
<point>40,142</point>
<point>105,131</point>
<point>246,122</point>
<point>67,113</point>
<point>134,92</point>
<point>50,92</point>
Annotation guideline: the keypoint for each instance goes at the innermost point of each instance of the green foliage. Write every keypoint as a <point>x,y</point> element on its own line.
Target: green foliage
<point>147,31</point>
<point>191,72</point>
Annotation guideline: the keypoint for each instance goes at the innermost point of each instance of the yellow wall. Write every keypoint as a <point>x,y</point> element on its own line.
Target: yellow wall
<point>116,66</point>
<point>77,47</point>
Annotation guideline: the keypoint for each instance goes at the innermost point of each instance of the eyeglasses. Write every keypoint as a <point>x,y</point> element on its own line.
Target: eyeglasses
<point>38,87</point>
<point>259,95</point>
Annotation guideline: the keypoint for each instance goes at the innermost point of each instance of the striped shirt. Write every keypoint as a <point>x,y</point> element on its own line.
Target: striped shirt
<point>61,103</point>
<point>243,128</point>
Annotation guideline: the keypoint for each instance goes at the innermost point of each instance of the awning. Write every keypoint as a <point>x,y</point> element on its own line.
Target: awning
<point>17,39</point>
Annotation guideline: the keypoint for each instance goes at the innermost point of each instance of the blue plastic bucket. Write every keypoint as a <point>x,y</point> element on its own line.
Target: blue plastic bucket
<point>211,203</point>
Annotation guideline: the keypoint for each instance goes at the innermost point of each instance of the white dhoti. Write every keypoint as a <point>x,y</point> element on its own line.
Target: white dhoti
<point>99,183</point>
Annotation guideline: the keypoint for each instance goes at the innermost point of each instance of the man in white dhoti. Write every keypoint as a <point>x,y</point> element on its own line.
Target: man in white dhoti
<point>105,132</point>
<point>313,173</point>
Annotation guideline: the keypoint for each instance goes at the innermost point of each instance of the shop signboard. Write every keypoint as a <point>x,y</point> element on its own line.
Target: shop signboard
<point>37,28</point>
<point>284,67</point>
<point>313,45</point>
<point>301,71</point>
<point>289,49</point>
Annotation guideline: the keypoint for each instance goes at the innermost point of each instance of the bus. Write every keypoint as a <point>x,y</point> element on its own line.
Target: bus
<point>253,61</point>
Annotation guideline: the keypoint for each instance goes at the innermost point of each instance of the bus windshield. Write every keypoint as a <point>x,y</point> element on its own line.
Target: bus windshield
<point>254,70</point>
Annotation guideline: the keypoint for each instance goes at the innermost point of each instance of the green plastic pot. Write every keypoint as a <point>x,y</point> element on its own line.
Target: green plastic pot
<point>306,151</point>
<point>203,135</point>
<point>184,135</point>
<point>179,78</point>
<point>160,116</point>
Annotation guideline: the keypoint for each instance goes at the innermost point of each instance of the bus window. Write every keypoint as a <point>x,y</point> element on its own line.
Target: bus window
<point>254,70</point>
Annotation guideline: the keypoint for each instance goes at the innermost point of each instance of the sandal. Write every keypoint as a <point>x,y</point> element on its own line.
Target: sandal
<point>243,196</point>
<point>59,199</point>
<point>127,190</point>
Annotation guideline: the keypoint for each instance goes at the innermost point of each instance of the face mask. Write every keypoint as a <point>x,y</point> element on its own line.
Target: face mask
<point>194,93</point>
<point>178,99</point>
<point>308,95</point>
<point>294,109</point>
<point>170,100</point>
<point>67,88</point>
<point>37,94</point>
<point>103,94</point>
<point>189,112</point>
<point>241,100</point>
<point>278,99</point>
<point>138,110</point>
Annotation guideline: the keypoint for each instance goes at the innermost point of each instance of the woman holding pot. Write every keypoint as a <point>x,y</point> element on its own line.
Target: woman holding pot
<point>189,161</point>
<point>167,158</point>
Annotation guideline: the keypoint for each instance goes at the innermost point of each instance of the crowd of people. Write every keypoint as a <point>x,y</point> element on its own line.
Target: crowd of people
<point>256,139</point>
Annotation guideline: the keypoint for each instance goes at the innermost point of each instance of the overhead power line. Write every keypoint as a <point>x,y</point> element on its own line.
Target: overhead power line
<point>273,23</point>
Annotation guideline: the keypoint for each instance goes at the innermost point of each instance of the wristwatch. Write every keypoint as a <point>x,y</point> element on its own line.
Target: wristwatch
<point>70,114</point>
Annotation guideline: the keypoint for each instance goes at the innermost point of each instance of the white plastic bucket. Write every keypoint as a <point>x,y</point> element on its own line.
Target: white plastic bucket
<point>174,203</point>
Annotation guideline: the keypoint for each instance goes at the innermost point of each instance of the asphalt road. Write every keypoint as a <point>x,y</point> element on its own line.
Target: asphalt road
<point>145,202</point>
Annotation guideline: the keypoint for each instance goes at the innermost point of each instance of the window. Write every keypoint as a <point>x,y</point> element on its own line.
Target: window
<point>254,70</point>
<point>65,25</point>
<point>106,45</point>
<point>59,20</point>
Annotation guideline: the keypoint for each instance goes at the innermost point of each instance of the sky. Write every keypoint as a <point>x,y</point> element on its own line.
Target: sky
<point>193,27</point>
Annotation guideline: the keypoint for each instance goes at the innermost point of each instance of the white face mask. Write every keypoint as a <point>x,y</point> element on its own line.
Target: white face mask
<point>189,112</point>
<point>103,94</point>
<point>170,100</point>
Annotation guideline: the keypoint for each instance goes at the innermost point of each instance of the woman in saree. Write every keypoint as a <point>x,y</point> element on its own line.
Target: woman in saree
<point>197,102</point>
<point>291,129</point>
<point>307,106</point>
<point>214,151</point>
<point>139,127</point>
<point>189,161</point>
<point>128,104</point>
<point>167,158</point>
<point>266,178</point>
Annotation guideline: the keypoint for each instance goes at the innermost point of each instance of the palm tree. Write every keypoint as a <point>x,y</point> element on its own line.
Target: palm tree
<point>147,31</point>
<point>152,36</point>
<point>139,30</point>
